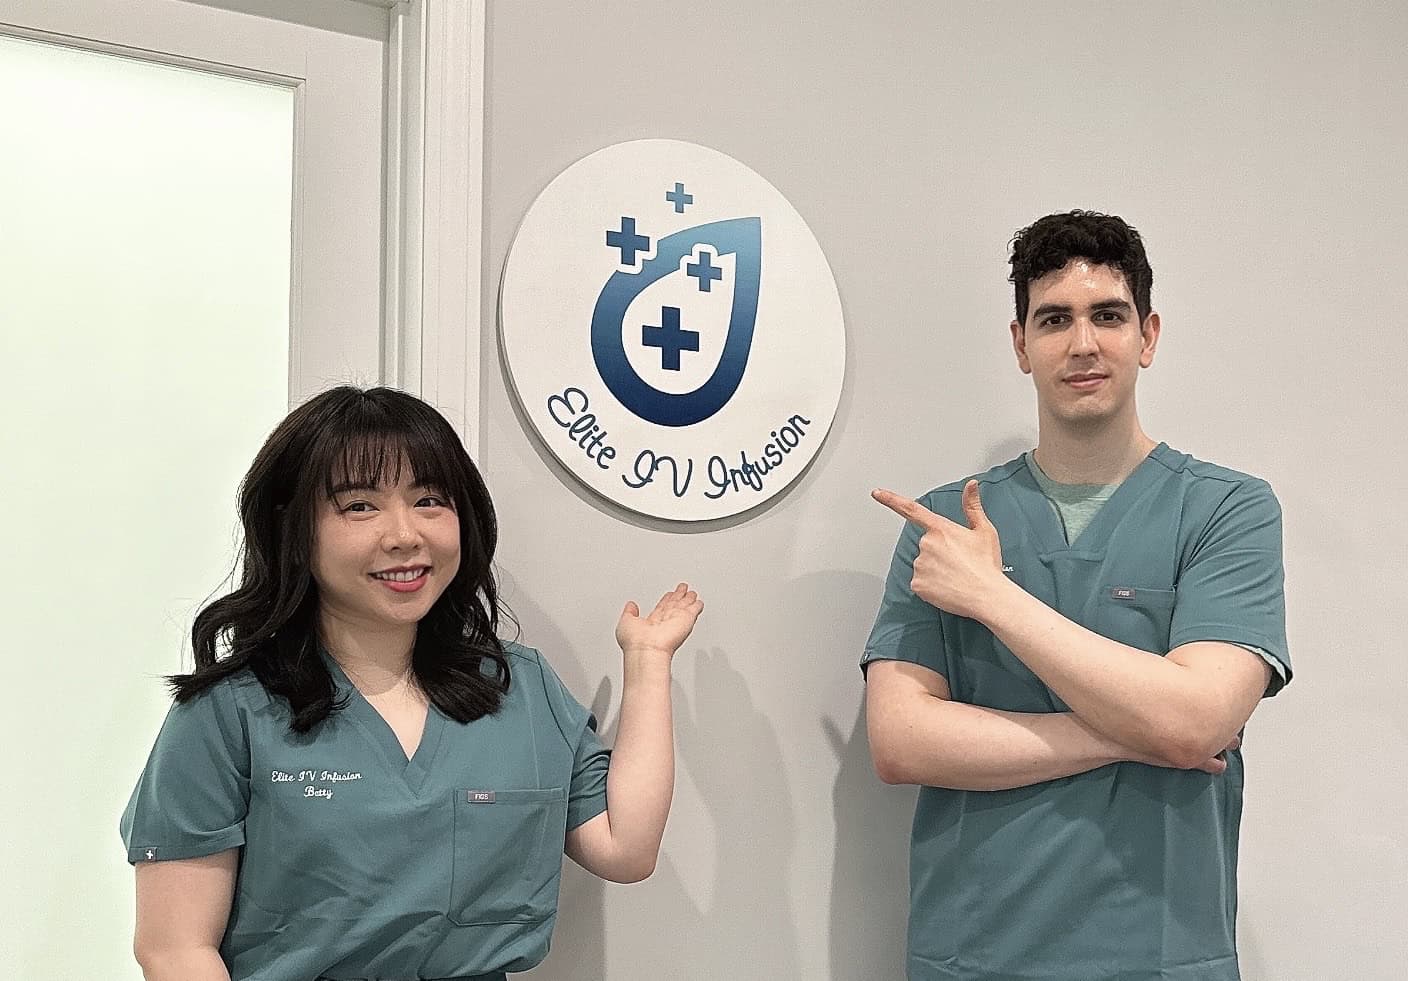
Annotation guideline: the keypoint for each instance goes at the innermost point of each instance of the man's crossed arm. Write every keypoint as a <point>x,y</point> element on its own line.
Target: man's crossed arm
<point>1176,711</point>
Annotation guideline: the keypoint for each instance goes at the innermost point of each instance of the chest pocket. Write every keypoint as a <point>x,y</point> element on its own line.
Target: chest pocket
<point>1136,615</point>
<point>508,855</point>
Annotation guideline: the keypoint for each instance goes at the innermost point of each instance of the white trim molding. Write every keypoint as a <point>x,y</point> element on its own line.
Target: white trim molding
<point>434,206</point>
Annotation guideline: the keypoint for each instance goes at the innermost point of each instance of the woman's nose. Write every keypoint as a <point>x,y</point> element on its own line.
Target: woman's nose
<point>401,531</point>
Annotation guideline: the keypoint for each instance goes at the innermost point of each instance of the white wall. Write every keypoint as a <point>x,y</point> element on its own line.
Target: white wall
<point>1260,148</point>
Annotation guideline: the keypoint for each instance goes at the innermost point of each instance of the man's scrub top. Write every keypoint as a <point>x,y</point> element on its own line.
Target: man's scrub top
<point>360,864</point>
<point>1127,872</point>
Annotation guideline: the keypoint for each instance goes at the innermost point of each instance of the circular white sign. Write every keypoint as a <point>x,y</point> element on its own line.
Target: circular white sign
<point>672,330</point>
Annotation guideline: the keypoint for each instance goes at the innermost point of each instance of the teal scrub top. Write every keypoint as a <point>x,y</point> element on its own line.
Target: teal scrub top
<point>1127,872</point>
<point>357,863</point>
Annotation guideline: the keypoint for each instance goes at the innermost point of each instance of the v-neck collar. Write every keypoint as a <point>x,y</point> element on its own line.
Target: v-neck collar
<point>1046,524</point>
<point>414,770</point>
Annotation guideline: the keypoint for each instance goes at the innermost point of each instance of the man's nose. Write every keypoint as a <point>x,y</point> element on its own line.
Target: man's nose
<point>1083,337</point>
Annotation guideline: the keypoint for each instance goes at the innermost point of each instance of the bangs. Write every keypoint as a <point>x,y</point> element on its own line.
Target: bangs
<point>370,446</point>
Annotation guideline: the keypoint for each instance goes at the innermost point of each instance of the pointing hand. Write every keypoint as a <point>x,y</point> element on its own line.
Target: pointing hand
<point>957,568</point>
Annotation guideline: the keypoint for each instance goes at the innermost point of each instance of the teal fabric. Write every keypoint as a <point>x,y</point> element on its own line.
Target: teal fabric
<point>1077,504</point>
<point>1128,872</point>
<point>358,863</point>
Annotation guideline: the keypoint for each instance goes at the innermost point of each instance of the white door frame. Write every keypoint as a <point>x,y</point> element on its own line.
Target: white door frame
<point>435,205</point>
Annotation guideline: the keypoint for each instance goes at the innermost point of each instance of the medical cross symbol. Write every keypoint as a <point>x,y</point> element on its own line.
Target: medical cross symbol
<point>704,270</point>
<point>627,241</point>
<point>679,198</point>
<point>151,854</point>
<point>669,338</point>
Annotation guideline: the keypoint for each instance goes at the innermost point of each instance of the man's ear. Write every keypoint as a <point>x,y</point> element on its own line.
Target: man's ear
<point>1019,345</point>
<point>1149,332</point>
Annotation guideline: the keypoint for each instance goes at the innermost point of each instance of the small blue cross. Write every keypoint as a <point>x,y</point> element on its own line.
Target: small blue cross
<point>627,241</point>
<point>669,338</point>
<point>704,270</point>
<point>679,198</point>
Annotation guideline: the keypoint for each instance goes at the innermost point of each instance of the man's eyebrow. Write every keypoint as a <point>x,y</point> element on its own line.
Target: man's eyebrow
<point>1046,308</point>
<point>1110,304</point>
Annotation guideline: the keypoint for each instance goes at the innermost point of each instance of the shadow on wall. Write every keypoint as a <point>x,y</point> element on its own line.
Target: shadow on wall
<point>870,877</point>
<point>868,907</point>
<point>749,920</point>
<point>747,916</point>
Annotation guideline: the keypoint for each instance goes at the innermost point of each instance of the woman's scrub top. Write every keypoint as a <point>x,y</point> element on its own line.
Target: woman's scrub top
<point>358,863</point>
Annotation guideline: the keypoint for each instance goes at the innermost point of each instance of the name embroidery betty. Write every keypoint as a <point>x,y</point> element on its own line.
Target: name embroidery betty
<point>312,777</point>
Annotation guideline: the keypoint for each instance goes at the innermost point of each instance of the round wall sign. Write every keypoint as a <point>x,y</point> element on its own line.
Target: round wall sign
<point>672,330</point>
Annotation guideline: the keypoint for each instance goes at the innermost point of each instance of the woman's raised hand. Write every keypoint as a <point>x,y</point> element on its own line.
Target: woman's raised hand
<point>664,628</point>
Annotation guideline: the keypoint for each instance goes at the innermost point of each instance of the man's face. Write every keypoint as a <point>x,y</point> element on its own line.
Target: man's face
<point>1083,344</point>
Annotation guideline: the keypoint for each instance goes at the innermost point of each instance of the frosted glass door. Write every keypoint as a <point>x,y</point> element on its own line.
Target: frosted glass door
<point>160,304</point>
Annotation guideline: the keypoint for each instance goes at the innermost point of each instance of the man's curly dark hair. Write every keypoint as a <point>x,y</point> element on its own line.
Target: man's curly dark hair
<point>1047,244</point>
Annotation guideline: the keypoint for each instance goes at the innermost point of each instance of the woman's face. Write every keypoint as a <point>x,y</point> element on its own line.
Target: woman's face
<point>383,555</point>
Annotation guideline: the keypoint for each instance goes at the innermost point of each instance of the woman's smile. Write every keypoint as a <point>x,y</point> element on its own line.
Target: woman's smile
<point>406,579</point>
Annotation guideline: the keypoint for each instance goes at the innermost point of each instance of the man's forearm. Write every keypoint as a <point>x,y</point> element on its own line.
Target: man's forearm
<point>1150,704</point>
<point>939,743</point>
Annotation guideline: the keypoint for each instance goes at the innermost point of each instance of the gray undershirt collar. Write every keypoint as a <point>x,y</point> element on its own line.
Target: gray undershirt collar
<point>1075,504</point>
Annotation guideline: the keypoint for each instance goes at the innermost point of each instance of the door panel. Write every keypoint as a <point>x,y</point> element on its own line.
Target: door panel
<point>190,238</point>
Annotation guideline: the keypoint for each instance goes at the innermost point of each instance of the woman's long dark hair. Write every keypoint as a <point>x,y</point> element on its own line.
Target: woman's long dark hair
<point>269,624</point>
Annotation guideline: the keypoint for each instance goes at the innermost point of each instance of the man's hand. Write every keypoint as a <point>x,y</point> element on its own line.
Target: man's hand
<point>957,568</point>
<point>1218,764</point>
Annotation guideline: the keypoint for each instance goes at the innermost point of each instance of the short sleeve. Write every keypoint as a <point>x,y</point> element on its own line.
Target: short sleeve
<point>1233,588</point>
<point>906,627</point>
<point>192,797</point>
<point>586,794</point>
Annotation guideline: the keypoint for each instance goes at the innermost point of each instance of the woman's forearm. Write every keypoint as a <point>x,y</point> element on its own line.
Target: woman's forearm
<point>641,780</point>
<point>189,964</point>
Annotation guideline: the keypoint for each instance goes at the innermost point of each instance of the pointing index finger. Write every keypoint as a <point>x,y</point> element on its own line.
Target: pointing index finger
<point>909,509</point>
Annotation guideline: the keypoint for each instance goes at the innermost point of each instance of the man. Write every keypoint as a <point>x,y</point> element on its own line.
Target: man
<point>1068,648</point>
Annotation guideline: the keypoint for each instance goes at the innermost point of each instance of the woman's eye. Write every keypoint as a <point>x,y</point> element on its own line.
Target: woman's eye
<point>357,507</point>
<point>431,502</point>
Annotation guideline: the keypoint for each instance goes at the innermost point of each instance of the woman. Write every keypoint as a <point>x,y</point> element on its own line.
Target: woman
<point>359,779</point>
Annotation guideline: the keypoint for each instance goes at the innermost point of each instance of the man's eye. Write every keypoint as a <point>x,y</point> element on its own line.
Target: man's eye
<point>1056,320</point>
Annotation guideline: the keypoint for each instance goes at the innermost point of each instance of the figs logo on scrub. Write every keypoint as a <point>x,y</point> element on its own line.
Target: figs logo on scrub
<point>672,330</point>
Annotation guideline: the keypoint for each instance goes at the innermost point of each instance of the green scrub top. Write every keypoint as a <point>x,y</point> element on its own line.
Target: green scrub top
<point>1127,872</point>
<point>358,863</point>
